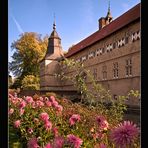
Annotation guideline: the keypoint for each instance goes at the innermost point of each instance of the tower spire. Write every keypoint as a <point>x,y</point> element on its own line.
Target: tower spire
<point>109,6</point>
<point>54,24</point>
<point>109,16</point>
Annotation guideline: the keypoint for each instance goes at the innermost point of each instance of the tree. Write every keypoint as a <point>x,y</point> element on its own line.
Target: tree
<point>30,82</point>
<point>30,49</point>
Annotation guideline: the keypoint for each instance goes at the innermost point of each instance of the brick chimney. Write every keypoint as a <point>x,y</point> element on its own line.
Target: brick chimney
<point>102,22</point>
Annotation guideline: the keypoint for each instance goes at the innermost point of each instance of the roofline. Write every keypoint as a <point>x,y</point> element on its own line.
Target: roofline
<point>126,18</point>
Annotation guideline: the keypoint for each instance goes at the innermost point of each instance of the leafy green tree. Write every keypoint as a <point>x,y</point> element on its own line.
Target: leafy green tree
<point>30,49</point>
<point>30,82</point>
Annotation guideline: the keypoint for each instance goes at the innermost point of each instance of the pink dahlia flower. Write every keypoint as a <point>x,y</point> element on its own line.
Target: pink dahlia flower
<point>36,120</point>
<point>52,98</point>
<point>17,124</point>
<point>32,143</point>
<point>46,99</point>
<point>48,125</point>
<point>11,110</point>
<point>29,99</point>
<point>30,130</point>
<point>55,104</point>
<point>59,108</point>
<point>124,134</point>
<point>58,142</point>
<point>55,131</point>
<point>74,118</point>
<point>74,141</point>
<point>44,116</point>
<point>41,98</point>
<point>102,122</point>
<point>39,104</point>
<point>22,111</point>
<point>22,104</point>
<point>48,103</point>
<point>48,145</point>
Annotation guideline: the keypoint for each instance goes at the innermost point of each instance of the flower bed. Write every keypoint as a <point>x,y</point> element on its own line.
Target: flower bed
<point>49,122</point>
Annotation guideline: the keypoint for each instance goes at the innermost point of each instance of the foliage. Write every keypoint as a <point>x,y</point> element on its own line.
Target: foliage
<point>60,123</point>
<point>30,82</point>
<point>97,97</point>
<point>30,49</point>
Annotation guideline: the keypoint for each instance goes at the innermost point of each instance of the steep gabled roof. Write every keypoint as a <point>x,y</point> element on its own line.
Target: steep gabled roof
<point>126,18</point>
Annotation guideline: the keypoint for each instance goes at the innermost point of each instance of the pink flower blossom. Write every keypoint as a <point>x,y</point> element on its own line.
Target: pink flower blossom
<point>101,145</point>
<point>48,145</point>
<point>74,141</point>
<point>74,118</point>
<point>17,124</point>
<point>39,104</point>
<point>102,122</point>
<point>46,99</point>
<point>30,130</point>
<point>55,131</point>
<point>29,99</point>
<point>59,108</point>
<point>41,98</point>
<point>11,110</point>
<point>36,120</point>
<point>58,142</point>
<point>48,103</point>
<point>22,111</point>
<point>33,104</point>
<point>54,103</point>
<point>11,96</point>
<point>97,135</point>
<point>52,98</point>
<point>48,125</point>
<point>22,104</point>
<point>124,134</point>
<point>32,143</point>
<point>19,99</point>
<point>44,116</point>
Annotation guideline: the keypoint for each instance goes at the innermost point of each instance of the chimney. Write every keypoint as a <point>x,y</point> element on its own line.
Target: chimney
<point>102,22</point>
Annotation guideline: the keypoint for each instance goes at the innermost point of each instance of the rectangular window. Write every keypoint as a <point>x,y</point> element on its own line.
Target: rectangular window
<point>128,68</point>
<point>104,72</point>
<point>126,40</point>
<point>114,45</point>
<point>95,73</point>
<point>115,70</point>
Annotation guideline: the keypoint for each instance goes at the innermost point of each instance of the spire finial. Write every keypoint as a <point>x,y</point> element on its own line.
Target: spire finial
<point>54,25</point>
<point>109,6</point>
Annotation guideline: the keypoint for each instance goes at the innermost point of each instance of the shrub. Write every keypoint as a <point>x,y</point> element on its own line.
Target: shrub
<point>52,122</point>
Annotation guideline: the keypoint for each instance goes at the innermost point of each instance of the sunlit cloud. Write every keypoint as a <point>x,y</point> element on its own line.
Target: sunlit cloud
<point>17,24</point>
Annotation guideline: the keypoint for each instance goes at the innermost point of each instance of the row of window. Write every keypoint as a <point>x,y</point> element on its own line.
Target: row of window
<point>128,70</point>
<point>110,47</point>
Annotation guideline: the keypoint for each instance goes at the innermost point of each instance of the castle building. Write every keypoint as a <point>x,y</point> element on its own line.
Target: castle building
<point>112,54</point>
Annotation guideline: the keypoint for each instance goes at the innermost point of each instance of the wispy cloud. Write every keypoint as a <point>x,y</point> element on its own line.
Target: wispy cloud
<point>17,24</point>
<point>125,6</point>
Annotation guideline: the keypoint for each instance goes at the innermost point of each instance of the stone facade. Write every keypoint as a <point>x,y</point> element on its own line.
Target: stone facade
<point>112,54</point>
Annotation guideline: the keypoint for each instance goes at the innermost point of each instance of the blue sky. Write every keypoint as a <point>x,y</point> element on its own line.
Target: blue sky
<point>75,19</point>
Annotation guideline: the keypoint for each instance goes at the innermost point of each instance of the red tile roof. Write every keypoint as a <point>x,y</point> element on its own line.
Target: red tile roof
<point>126,18</point>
